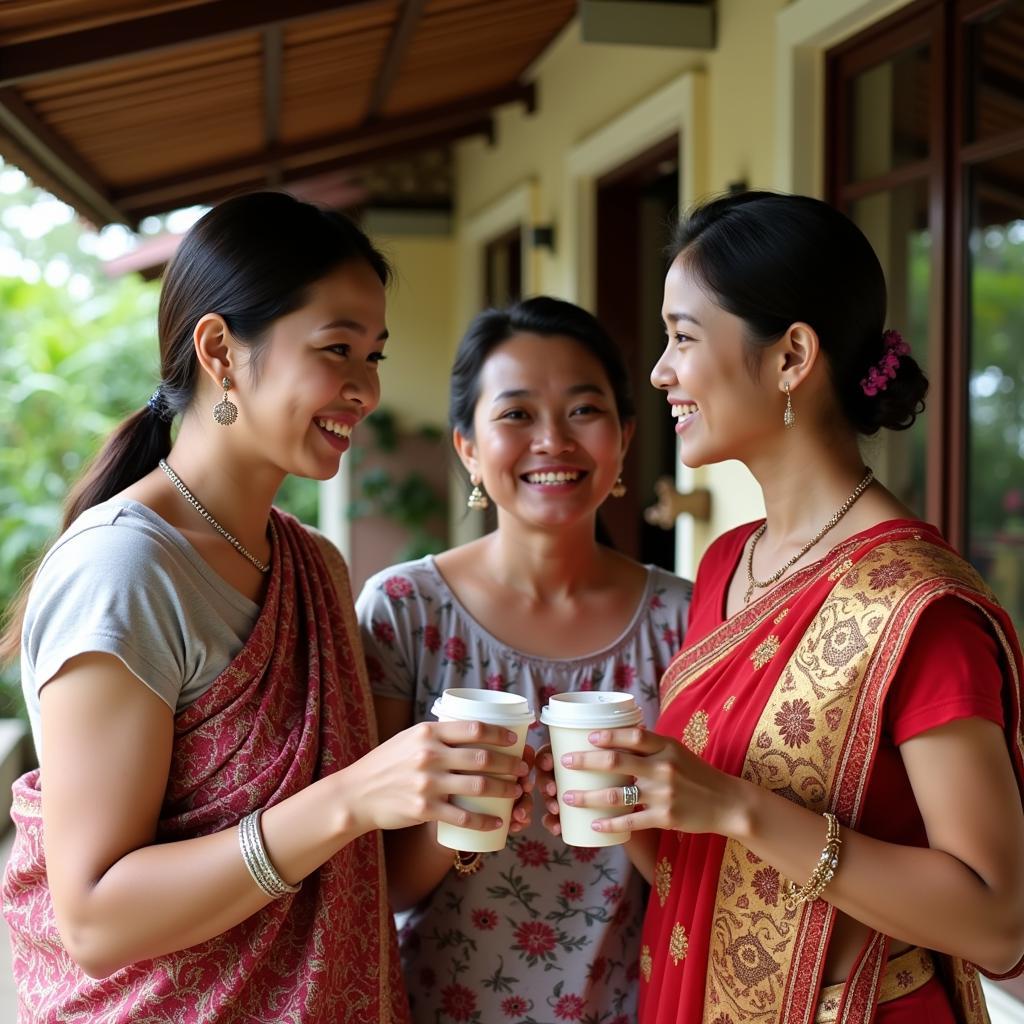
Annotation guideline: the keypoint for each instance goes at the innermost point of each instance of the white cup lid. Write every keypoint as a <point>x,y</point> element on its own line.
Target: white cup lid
<point>491,706</point>
<point>592,709</point>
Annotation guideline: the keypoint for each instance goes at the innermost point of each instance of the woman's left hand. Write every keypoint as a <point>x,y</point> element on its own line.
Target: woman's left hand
<point>522,810</point>
<point>678,790</point>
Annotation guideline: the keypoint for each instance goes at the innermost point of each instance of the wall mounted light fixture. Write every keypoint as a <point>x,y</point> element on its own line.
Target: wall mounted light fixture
<point>542,236</point>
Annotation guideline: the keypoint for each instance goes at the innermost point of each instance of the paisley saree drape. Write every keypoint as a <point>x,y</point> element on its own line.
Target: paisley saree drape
<point>292,707</point>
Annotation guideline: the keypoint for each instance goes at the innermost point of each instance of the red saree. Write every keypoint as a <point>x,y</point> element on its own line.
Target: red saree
<point>789,693</point>
<point>292,707</point>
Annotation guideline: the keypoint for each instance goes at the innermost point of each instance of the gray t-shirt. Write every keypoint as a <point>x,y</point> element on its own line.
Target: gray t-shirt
<point>122,581</point>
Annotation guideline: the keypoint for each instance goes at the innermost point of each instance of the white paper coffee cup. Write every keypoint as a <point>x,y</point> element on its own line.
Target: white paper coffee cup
<point>569,718</point>
<point>494,708</point>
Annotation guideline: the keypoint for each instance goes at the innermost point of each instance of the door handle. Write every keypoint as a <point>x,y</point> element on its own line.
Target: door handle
<point>671,503</point>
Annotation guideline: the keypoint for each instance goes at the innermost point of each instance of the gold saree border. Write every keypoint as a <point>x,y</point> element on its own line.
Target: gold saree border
<point>765,963</point>
<point>691,662</point>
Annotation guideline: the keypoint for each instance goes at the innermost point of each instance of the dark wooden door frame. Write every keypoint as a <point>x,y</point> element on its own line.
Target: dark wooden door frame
<point>618,299</point>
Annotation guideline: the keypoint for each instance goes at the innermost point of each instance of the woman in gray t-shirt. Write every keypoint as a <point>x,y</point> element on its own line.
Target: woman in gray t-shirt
<point>542,417</point>
<point>201,842</point>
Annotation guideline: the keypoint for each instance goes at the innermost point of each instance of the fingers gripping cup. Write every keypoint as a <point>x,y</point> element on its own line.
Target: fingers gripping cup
<point>569,718</point>
<point>493,708</point>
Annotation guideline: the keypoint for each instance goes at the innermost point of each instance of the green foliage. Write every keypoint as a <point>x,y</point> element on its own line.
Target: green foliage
<point>69,371</point>
<point>410,500</point>
<point>995,491</point>
<point>301,497</point>
<point>997,376</point>
<point>76,356</point>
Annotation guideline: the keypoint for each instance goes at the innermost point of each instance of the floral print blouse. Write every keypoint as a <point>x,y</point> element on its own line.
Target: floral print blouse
<point>545,932</point>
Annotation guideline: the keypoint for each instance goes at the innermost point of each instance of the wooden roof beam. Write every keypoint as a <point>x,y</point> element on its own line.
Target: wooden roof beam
<point>420,129</point>
<point>255,178</point>
<point>273,61</point>
<point>405,28</point>
<point>77,183</point>
<point>130,37</point>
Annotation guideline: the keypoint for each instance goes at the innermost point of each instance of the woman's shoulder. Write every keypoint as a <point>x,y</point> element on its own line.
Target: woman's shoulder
<point>118,536</point>
<point>722,554</point>
<point>402,582</point>
<point>726,546</point>
<point>666,589</point>
<point>324,544</point>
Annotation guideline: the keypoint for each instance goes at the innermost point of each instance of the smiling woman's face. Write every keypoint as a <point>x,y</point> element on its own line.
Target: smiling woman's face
<point>318,373</point>
<point>547,440</point>
<point>722,410</point>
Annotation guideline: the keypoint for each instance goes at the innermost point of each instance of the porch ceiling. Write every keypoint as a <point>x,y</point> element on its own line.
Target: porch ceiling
<point>125,110</point>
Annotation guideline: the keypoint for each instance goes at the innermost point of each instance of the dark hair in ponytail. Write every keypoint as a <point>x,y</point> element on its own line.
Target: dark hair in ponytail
<point>774,260</point>
<point>250,259</point>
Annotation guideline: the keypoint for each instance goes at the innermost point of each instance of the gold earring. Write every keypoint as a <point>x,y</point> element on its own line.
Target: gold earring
<point>477,500</point>
<point>225,412</point>
<point>788,417</point>
<point>619,488</point>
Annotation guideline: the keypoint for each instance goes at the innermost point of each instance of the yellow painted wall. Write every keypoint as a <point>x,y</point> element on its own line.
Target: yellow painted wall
<point>580,88</point>
<point>761,98</point>
<point>421,322</point>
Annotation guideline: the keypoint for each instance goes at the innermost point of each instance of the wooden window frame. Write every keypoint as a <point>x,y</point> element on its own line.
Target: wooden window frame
<point>944,25</point>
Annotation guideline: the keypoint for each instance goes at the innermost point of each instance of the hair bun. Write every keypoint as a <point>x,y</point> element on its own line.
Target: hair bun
<point>897,403</point>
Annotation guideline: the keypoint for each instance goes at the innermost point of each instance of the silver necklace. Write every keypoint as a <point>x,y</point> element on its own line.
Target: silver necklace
<point>776,576</point>
<point>194,502</point>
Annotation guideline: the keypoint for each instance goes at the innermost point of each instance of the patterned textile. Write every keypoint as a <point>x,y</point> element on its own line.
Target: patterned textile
<point>789,694</point>
<point>292,707</point>
<point>545,932</point>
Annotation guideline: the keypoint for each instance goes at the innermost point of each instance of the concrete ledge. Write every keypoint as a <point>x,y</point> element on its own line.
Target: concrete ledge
<point>14,747</point>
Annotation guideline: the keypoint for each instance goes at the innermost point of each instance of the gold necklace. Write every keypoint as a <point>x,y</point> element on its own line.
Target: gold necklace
<point>776,576</point>
<point>194,502</point>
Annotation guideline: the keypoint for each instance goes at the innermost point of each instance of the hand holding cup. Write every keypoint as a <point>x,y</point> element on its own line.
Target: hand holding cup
<point>571,718</point>
<point>492,708</point>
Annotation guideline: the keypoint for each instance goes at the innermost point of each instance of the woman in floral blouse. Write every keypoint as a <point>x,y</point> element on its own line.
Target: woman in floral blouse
<point>542,417</point>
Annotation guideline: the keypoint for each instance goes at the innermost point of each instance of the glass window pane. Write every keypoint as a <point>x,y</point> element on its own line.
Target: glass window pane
<point>888,121</point>
<point>896,223</point>
<point>995,484</point>
<point>996,49</point>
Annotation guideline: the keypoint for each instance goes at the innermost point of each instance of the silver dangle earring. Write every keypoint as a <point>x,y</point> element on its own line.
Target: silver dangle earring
<point>619,488</point>
<point>788,417</point>
<point>225,412</point>
<point>477,500</point>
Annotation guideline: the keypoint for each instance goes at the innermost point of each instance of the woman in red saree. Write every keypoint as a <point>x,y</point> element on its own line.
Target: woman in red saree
<point>829,810</point>
<point>201,843</point>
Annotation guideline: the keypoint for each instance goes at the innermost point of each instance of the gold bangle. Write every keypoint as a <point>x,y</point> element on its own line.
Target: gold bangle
<point>823,870</point>
<point>467,864</point>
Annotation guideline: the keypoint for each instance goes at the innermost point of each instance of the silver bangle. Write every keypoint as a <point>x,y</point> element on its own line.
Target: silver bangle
<point>254,853</point>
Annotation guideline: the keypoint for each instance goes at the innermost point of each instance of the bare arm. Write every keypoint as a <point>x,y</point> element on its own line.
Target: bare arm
<point>963,896</point>
<point>416,861</point>
<point>107,747</point>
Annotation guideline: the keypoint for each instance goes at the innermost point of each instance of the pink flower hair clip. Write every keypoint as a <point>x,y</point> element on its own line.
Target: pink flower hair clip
<point>879,376</point>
